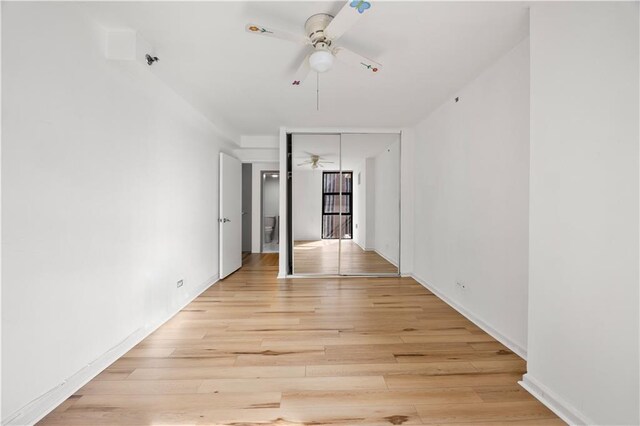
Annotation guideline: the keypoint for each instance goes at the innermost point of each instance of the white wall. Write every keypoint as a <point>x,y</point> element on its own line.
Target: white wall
<point>370,204</point>
<point>364,204</point>
<point>359,204</point>
<point>307,204</point>
<point>259,141</point>
<point>258,149</point>
<point>256,208</point>
<point>471,198</point>
<point>583,294</point>
<point>407,197</point>
<point>386,217</point>
<point>257,155</point>
<point>109,197</point>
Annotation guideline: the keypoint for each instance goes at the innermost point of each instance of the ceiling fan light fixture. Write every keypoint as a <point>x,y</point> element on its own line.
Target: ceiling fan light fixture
<point>321,60</point>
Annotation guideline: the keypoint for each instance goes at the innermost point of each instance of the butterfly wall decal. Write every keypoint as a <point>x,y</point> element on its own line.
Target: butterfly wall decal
<point>360,5</point>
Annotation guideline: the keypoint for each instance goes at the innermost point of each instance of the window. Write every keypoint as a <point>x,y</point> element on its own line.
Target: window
<point>337,205</point>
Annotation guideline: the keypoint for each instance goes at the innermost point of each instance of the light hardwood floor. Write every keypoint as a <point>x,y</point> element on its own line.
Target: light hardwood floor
<point>256,350</point>
<point>321,257</point>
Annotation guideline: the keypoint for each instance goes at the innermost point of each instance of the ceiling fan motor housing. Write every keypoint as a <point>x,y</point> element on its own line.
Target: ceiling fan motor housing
<point>315,26</point>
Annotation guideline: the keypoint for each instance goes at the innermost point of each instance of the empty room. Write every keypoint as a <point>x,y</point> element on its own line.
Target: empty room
<point>338,212</point>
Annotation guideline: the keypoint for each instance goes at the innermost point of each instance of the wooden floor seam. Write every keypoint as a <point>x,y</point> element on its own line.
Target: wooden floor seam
<point>256,350</point>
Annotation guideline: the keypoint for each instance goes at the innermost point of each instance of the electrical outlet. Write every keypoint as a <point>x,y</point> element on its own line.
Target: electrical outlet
<point>461,285</point>
<point>180,283</point>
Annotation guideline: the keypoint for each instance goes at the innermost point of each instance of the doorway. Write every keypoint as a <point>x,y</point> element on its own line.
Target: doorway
<point>345,204</point>
<point>270,211</point>
<point>247,182</point>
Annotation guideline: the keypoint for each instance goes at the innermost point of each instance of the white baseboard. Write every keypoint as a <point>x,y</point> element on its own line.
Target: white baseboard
<point>47,402</point>
<point>364,248</point>
<point>555,403</point>
<point>522,352</point>
<point>386,258</point>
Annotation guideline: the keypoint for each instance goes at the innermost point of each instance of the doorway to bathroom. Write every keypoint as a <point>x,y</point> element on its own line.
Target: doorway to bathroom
<point>270,208</point>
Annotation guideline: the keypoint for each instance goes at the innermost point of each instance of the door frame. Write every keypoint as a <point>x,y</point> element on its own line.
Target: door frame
<point>250,212</point>
<point>286,141</point>
<point>262,173</point>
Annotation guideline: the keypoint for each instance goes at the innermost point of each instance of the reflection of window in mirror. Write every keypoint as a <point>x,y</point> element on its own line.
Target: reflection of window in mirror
<point>337,205</point>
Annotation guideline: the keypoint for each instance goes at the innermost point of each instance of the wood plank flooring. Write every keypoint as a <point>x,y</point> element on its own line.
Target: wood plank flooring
<point>321,257</point>
<point>254,350</point>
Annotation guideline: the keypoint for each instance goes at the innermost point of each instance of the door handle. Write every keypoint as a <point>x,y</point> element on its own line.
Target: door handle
<point>224,220</point>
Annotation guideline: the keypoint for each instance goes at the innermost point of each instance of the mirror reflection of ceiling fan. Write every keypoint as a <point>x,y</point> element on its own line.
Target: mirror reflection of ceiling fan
<point>322,31</point>
<point>314,161</point>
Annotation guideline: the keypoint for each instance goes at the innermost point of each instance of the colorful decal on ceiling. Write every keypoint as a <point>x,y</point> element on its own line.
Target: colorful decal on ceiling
<point>360,5</point>
<point>259,29</point>
<point>369,67</point>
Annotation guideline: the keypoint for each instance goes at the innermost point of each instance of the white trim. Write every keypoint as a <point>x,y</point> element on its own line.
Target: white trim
<point>522,352</point>
<point>343,130</point>
<point>555,403</point>
<point>284,179</point>
<point>359,275</point>
<point>400,206</point>
<point>364,248</point>
<point>387,259</point>
<point>34,411</point>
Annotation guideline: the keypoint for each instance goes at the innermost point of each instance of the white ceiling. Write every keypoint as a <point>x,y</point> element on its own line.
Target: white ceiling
<point>428,50</point>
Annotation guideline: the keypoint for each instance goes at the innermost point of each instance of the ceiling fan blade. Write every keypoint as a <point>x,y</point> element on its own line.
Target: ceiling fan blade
<point>270,32</point>
<point>326,162</point>
<point>346,18</point>
<point>349,57</point>
<point>303,71</point>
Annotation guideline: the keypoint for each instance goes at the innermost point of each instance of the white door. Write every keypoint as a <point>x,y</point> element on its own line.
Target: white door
<point>230,214</point>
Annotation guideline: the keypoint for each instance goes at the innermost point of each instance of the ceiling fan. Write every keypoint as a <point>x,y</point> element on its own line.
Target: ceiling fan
<point>315,161</point>
<point>322,31</point>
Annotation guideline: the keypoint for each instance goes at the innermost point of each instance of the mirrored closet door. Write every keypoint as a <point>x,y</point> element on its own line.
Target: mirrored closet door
<point>373,246</point>
<point>345,212</point>
<point>315,210</point>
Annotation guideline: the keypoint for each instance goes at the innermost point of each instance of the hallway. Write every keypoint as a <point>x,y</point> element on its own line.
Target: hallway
<point>256,350</point>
